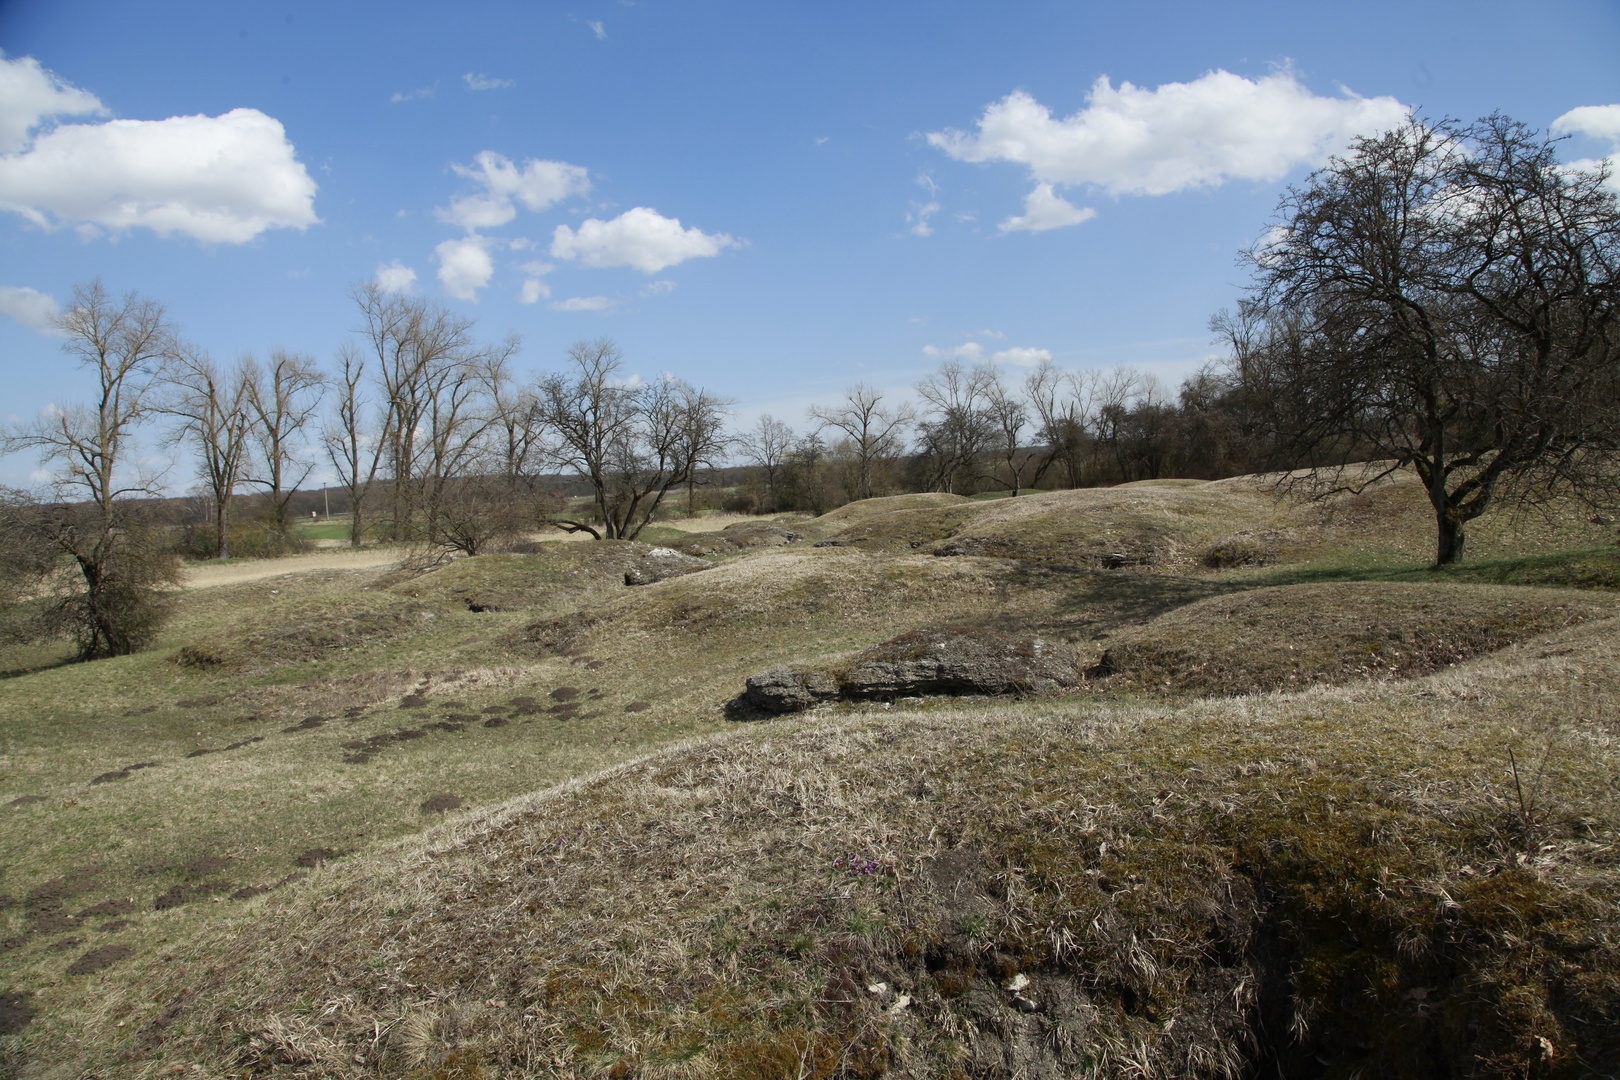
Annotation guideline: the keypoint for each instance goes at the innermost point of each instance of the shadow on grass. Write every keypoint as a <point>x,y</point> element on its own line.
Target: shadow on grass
<point>1095,604</point>
<point>14,666</point>
<point>1597,568</point>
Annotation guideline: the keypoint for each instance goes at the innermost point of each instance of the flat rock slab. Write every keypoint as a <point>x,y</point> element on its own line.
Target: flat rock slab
<point>660,564</point>
<point>954,661</point>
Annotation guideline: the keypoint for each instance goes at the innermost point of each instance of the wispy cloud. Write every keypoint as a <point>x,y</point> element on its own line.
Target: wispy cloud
<point>597,28</point>
<point>480,81</point>
<point>586,303</point>
<point>415,95</point>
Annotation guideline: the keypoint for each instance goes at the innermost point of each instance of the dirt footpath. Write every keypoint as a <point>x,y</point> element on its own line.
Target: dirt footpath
<point>205,575</point>
<point>340,557</point>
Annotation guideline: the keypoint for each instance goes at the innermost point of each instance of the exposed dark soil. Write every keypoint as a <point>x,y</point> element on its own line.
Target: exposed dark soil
<point>565,693</point>
<point>638,706</point>
<point>315,856</point>
<point>26,800</point>
<point>309,723</point>
<point>413,701</point>
<point>16,1011</point>
<point>117,925</point>
<point>199,703</point>
<point>184,894</point>
<point>446,725</point>
<point>200,751</point>
<point>103,956</point>
<point>207,864</point>
<point>494,709</point>
<point>75,882</point>
<point>121,906</point>
<point>51,919</point>
<point>438,804</point>
<point>496,721</point>
<point>248,892</point>
<point>123,773</point>
<point>407,734</point>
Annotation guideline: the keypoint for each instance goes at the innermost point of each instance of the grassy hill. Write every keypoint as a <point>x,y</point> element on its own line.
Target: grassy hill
<point>1318,804</point>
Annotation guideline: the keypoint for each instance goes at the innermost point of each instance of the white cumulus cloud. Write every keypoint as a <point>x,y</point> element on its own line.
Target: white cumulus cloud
<point>465,266</point>
<point>538,185</point>
<point>534,289</point>
<point>29,306</point>
<point>480,81</point>
<point>29,95</point>
<point>586,303</point>
<point>220,179</point>
<point>1598,122</point>
<point>1022,357</point>
<point>395,277</point>
<point>640,237</point>
<point>662,287</point>
<point>1131,140</point>
<point>1045,209</point>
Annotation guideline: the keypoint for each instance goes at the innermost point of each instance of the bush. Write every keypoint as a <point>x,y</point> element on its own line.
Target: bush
<point>740,501</point>
<point>244,540</point>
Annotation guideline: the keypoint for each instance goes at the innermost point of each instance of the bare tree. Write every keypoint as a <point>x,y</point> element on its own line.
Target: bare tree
<point>704,442</point>
<point>874,430</point>
<point>767,446</point>
<point>1060,418</point>
<point>515,423</point>
<point>1008,417</point>
<point>282,398</point>
<point>211,405</point>
<point>956,426</point>
<point>631,442</point>
<point>417,346</point>
<point>1444,298</point>
<point>355,451</point>
<point>96,517</point>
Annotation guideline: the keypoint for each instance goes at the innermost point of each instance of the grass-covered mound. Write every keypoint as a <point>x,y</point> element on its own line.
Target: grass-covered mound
<point>1189,526</point>
<point>1292,636</point>
<point>1346,882</point>
<point>884,504</point>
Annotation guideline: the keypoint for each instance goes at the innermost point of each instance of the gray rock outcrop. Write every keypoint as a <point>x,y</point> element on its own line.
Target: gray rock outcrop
<point>661,562</point>
<point>956,661</point>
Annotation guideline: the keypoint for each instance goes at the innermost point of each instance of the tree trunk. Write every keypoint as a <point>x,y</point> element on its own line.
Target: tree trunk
<point>355,526</point>
<point>221,516</point>
<point>1450,547</point>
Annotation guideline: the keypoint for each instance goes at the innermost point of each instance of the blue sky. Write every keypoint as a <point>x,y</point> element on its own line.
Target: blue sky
<point>860,189</point>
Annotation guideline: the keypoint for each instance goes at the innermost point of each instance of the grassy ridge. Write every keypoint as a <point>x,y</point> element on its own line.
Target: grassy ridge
<point>341,712</point>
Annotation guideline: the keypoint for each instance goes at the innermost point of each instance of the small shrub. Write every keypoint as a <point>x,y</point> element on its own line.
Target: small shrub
<point>1239,549</point>
<point>199,655</point>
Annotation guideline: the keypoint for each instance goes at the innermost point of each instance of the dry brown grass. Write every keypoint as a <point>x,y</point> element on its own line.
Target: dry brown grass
<point>1291,636</point>
<point>701,917</point>
<point>1345,877</point>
